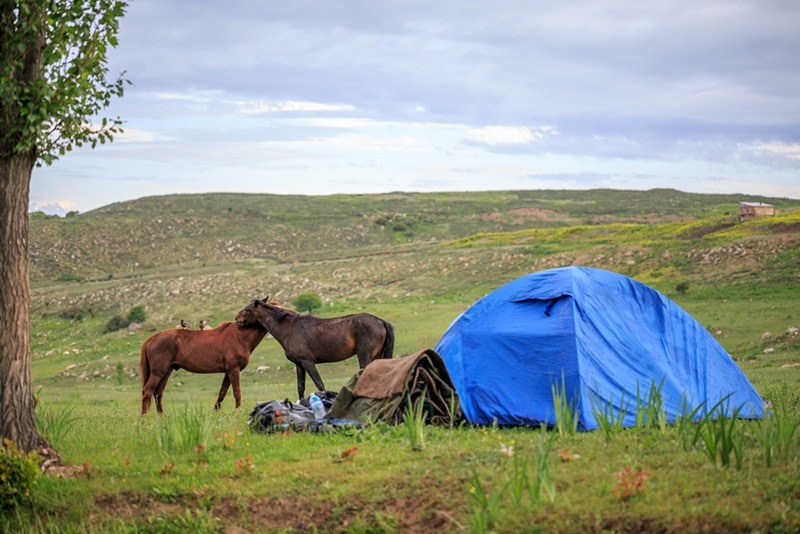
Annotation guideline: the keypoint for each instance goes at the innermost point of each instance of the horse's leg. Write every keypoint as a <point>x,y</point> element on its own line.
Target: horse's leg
<point>364,358</point>
<point>310,368</point>
<point>371,347</point>
<point>223,390</point>
<point>146,400</point>
<point>147,391</point>
<point>159,391</point>
<point>301,380</point>
<point>237,392</point>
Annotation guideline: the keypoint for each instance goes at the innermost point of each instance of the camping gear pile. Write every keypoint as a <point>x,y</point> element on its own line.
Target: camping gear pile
<point>382,391</point>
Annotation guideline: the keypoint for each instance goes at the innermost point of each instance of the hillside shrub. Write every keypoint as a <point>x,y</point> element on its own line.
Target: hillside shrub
<point>116,323</point>
<point>307,302</point>
<point>69,277</point>
<point>136,315</point>
<point>18,473</point>
<point>75,313</point>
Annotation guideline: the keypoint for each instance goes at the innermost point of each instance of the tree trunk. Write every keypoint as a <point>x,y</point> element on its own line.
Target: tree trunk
<point>17,402</point>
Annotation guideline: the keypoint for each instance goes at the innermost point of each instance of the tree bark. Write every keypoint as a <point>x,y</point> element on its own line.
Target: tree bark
<point>17,420</point>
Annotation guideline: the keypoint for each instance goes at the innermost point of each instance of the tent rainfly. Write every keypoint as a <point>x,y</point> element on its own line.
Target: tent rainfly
<point>603,342</point>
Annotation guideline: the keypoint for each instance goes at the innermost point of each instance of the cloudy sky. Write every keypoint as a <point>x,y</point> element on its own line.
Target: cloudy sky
<point>364,96</point>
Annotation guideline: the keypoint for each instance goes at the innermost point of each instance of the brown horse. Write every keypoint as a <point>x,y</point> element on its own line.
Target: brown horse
<point>308,340</point>
<point>225,349</point>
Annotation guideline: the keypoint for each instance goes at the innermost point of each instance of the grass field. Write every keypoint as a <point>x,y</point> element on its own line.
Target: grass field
<point>196,470</point>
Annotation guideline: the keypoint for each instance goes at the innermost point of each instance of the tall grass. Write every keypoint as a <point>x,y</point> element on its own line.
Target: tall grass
<point>722,436</point>
<point>609,421</point>
<point>184,431</point>
<point>490,502</point>
<point>650,409</point>
<point>544,481</point>
<point>718,432</point>
<point>688,430</point>
<point>566,415</point>
<point>778,436</point>
<point>414,422</point>
<point>55,423</point>
<point>485,505</point>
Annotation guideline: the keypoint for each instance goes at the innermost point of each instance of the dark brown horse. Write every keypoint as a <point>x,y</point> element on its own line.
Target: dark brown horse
<point>225,349</point>
<point>309,340</point>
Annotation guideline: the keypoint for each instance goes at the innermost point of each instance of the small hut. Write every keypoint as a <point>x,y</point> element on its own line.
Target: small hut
<point>751,210</point>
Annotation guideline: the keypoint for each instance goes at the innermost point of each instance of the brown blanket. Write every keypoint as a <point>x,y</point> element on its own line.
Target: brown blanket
<point>383,378</point>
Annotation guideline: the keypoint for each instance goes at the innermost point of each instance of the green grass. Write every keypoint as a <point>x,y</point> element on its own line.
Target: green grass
<point>266,482</point>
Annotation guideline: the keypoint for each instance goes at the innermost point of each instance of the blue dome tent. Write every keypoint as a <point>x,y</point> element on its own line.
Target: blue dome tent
<point>603,340</point>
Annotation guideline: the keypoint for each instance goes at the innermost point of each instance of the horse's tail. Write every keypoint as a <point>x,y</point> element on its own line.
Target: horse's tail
<point>388,344</point>
<point>144,363</point>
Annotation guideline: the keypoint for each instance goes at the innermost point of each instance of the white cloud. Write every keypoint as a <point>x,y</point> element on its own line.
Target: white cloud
<point>509,135</point>
<point>260,106</point>
<point>791,151</point>
<point>391,143</point>
<point>135,135</point>
<point>203,97</point>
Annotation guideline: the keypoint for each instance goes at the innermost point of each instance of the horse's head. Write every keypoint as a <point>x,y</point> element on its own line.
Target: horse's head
<point>247,316</point>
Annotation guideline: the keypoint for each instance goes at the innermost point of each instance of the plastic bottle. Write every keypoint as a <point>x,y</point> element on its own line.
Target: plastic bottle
<point>317,407</point>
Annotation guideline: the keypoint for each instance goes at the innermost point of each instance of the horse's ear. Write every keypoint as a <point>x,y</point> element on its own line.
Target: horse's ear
<point>265,300</point>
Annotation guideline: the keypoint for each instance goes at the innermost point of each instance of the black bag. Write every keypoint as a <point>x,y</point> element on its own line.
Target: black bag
<point>282,416</point>
<point>279,416</point>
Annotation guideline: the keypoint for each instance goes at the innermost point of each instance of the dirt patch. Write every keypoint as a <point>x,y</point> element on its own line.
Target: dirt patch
<point>422,513</point>
<point>787,228</point>
<point>66,471</point>
<point>647,218</point>
<point>533,214</point>
<point>128,506</point>
<point>519,214</point>
<point>408,514</point>
<point>708,230</point>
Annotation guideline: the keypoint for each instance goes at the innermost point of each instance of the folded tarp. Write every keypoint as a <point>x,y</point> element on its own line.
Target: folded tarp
<point>383,389</point>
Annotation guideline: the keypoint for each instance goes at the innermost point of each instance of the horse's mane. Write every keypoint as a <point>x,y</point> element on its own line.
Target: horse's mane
<point>279,305</point>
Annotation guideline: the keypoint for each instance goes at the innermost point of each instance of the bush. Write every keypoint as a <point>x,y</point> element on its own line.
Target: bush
<point>18,472</point>
<point>75,313</point>
<point>682,287</point>
<point>116,323</point>
<point>307,302</point>
<point>69,277</point>
<point>136,315</point>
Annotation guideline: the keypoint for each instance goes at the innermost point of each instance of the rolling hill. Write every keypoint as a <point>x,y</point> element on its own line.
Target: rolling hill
<point>332,238</point>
